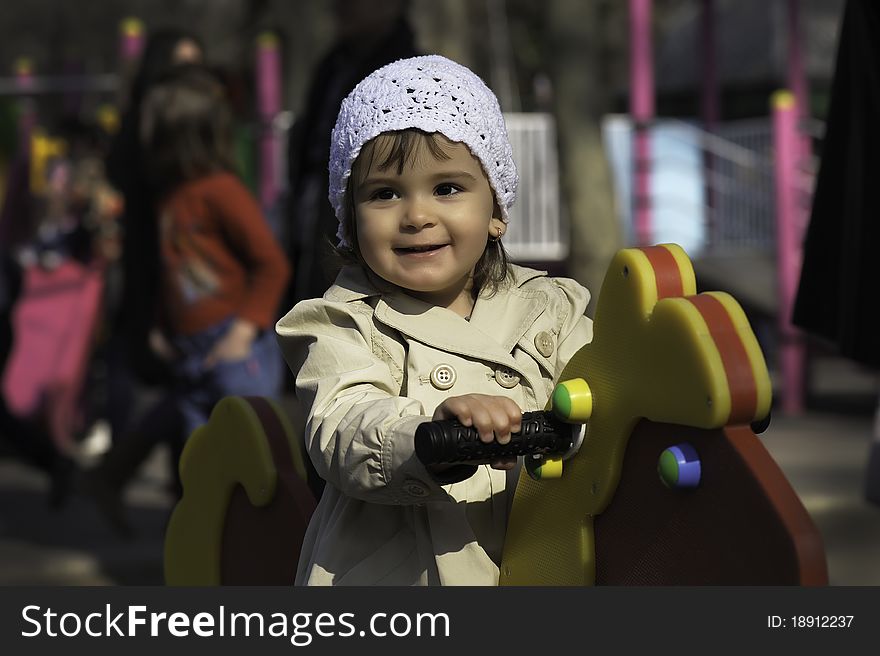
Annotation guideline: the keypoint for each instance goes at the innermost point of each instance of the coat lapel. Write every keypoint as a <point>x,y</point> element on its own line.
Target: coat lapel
<point>496,325</point>
<point>508,316</point>
<point>440,329</point>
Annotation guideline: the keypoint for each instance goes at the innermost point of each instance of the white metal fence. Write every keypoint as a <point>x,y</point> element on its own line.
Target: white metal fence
<point>740,212</point>
<point>537,231</point>
<point>711,191</point>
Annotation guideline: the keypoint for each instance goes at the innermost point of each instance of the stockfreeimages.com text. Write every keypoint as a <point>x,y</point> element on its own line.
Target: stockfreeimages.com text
<point>301,628</point>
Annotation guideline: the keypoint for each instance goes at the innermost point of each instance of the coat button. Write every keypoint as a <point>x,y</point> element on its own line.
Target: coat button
<point>415,489</point>
<point>506,378</point>
<point>443,376</point>
<point>544,343</point>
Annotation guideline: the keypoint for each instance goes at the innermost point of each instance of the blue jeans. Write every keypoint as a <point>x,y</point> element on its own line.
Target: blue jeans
<point>198,388</point>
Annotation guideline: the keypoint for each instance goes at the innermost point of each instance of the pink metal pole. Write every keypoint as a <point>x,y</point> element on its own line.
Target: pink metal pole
<point>268,73</point>
<point>788,248</point>
<point>27,119</point>
<point>797,81</point>
<point>131,39</point>
<point>14,223</point>
<point>642,111</point>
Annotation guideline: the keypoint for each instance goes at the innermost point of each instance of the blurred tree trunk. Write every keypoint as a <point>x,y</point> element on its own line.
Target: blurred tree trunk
<point>575,57</point>
<point>445,27</point>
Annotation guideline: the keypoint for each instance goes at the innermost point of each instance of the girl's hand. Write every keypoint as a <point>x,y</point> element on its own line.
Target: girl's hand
<point>494,417</point>
<point>234,345</point>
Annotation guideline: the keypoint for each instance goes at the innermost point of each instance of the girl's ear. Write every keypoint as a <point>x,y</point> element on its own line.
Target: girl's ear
<point>497,228</point>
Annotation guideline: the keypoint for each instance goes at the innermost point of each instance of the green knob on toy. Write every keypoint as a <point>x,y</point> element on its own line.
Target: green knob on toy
<point>679,466</point>
<point>573,400</point>
<point>542,468</point>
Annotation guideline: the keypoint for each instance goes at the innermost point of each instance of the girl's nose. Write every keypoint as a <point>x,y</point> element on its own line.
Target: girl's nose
<point>418,215</point>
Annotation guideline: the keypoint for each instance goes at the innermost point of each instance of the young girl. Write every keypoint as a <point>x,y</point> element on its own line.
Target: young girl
<point>222,273</point>
<point>428,321</point>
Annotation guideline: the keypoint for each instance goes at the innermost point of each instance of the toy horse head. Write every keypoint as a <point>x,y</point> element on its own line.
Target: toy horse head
<point>689,358</point>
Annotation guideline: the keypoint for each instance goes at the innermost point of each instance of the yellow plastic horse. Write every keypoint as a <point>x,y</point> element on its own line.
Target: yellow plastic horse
<point>666,371</point>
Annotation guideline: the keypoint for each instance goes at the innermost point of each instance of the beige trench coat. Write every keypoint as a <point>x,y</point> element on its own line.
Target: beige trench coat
<point>363,357</point>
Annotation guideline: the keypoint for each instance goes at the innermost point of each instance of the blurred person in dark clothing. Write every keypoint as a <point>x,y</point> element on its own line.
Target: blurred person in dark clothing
<point>368,35</point>
<point>133,280</point>
<point>139,263</point>
<point>840,285</point>
<point>221,277</point>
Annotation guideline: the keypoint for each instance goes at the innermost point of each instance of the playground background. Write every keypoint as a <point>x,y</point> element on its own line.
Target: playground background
<point>697,143</point>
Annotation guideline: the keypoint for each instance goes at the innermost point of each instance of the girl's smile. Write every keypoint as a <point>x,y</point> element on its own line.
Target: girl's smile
<point>425,227</point>
<point>419,250</point>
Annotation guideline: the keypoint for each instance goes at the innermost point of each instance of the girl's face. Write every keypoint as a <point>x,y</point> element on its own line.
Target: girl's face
<point>425,228</point>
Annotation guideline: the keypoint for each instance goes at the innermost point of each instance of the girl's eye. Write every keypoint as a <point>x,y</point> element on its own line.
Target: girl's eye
<point>383,194</point>
<point>447,190</point>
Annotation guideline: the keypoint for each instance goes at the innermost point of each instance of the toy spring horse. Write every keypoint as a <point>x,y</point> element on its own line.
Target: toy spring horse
<point>670,383</point>
<point>245,504</point>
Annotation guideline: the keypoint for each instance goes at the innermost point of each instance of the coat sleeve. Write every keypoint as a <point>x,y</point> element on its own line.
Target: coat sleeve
<point>359,431</point>
<point>576,328</point>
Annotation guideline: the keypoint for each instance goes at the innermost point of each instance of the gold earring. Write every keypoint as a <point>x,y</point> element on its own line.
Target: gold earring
<point>498,237</point>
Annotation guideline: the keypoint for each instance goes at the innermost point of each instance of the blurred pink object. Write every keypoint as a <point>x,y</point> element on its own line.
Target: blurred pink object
<point>131,39</point>
<point>642,111</point>
<point>54,323</point>
<point>268,73</point>
<point>789,237</point>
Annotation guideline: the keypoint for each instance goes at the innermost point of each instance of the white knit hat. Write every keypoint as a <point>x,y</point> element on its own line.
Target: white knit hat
<point>433,94</point>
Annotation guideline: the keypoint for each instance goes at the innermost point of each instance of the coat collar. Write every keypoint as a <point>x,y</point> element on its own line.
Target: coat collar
<point>496,325</point>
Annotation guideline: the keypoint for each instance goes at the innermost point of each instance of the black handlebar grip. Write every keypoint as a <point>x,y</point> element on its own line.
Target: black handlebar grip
<point>447,441</point>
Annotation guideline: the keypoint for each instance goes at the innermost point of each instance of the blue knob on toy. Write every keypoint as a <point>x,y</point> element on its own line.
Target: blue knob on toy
<point>679,466</point>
